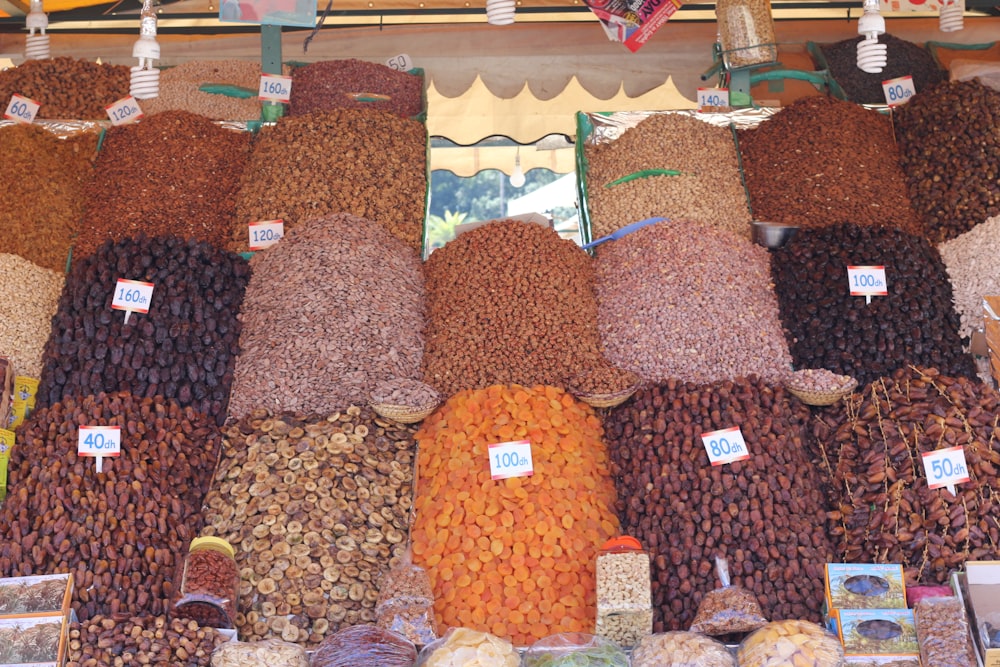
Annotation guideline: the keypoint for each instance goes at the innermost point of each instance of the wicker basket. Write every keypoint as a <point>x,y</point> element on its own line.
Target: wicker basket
<point>404,414</point>
<point>606,400</point>
<point>820,398</point>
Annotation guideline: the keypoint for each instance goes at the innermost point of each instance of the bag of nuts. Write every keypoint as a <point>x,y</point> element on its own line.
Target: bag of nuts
<point>943,633</point>
<point>406,602</point>
<point>681,649</point>
<point>730,609</point>
<point>266,653</point>
<point>624,592</point>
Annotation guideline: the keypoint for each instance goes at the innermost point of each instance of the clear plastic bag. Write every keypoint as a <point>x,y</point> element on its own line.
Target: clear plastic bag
<point>746,29</point>
<point>792,642</point>
<point>266,653</point>
<point>681,649</point>
<point>728,610</point>
<point>943,633</point>
<point>406,603</point>
<point>624,594</point>
<point>366,645</point>
<point>462,647</point>
<point>575,649</point>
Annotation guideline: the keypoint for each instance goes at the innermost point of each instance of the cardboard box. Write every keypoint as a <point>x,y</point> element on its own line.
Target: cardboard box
<point>41,595</point>
<point>38,641</point>
<point>865,586</point>
<point>881,632</point>
<point>980,589</point>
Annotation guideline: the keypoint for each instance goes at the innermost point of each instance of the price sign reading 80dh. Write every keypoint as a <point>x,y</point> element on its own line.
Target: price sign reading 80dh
<point>725,446</point>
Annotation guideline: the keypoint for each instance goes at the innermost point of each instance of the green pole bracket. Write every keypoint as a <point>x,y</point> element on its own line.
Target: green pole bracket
<point>270,63</point>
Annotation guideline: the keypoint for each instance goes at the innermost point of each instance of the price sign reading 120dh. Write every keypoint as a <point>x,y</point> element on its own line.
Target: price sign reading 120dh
<point>275,88</point>
<point>99,441</point>
<point>511,459</point>
<point>265,234</point>
<point>132,296</point>
<point>898,91</point>
<point>124,111</point>
<point>725,446</point>
<point>946,467</point>
<point>867,281</point>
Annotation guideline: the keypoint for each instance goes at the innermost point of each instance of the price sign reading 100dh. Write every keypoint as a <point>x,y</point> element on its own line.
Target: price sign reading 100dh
<point>511,459</point>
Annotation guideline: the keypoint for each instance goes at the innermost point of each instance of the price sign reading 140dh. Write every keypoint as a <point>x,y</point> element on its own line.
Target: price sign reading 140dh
<point>511,459</point>
<point>99,441</point>
<point>725,446</point>
<point>265,234</point>
<point>21,109</point>
<point>132,296</point>
<point>275,88</point>
<point>713,97</point>
<point>867,281</point>
<point>898,91</point>
<point>946,467</point>
<point>124,111</point>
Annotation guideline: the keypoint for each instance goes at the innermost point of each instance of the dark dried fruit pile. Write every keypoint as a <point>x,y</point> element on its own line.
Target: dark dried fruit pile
<point>355,84</point>
<point>904,58</point>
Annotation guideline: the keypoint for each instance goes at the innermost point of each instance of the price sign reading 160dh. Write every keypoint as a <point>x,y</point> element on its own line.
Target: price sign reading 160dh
<point>511,459</point>
<point>132,296</point>
<point>725,446</point>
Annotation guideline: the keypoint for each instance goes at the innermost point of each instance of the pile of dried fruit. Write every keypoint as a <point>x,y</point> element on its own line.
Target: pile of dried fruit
<point>147,640</point>
<point>970,259</point>
<point>355,84</point>
<point>513,556</point>
<point>904,59</point>
<point>67,88</point>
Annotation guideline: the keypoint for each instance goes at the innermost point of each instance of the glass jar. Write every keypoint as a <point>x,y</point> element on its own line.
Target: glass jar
<point>624,593</point>
<point>207,585</point>
<point>746,32</point>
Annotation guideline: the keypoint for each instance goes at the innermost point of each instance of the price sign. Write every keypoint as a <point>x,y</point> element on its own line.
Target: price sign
<point>265,234</point>
<point>21,109</point>
<point>713,97</point>
<point>946,467</point>
<point>124,111</point>
<point>99,441</point>
<point>511,459</point>
<point>275,88</point>
<point>400,63</point>
<point>6,443</point>
<point>898,91</point>
<point>867,281</point>
<point>725,446</point>
<point>132,296</point>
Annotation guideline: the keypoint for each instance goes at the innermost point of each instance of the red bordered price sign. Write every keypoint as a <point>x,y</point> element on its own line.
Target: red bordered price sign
<point>725,446</point>
<point>266,233</point>
<point>867,281</point>
<point>899,90</point>
<point>22,109</point>
<point>511,459</point>
<point>946,468</point>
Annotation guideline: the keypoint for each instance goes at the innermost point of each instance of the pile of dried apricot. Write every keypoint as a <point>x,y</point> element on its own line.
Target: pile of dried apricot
<point>515,556</point>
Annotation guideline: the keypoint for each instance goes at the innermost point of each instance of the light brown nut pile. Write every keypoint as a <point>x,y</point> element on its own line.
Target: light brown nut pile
<point>681,649</point>
<point>28,298</point>
<point>40,209</point>
<point>710,189</point>
<point>316,508</point>
<point>121,531</point>
<point>333,309</point>
<point>355,84</point>
<point>687,301</point>
<point>885,510</point>
<point>179,90</point>
<point>172,173</point>
<point>67,88</point>
<point>970,260</point>
<point>372,164</point>
<point>103,641</point>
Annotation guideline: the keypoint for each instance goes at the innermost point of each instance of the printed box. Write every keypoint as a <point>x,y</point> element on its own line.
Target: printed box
<point>878,632</point>
<point>865,586</point>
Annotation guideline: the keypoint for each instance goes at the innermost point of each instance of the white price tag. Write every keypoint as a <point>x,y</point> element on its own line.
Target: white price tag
<point>21,109</point>
<point>725,446</point>
<point>867,281</point>
<point>511,459</point>
<point>946,467</point>
<point>266,233</point>
<point>132,296</point>
<point>99,441</point>
<point>275,88</point>
<point>713,97</point>
<point>400,63</point>
<point>898,91</point>
<point>124,111</point>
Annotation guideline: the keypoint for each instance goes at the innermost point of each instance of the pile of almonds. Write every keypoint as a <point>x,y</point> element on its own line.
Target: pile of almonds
<point>28,298</point>
<point>180,89</point>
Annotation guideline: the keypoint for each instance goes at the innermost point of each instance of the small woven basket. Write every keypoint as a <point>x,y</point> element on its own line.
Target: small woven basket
<point>821,398</point>
<point>404,414</point>
<point>607,400</point>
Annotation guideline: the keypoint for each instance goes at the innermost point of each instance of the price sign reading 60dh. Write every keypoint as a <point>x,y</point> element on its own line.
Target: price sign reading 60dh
<point>22,109</point>
<point>511,459</point>
<point>99,441</point>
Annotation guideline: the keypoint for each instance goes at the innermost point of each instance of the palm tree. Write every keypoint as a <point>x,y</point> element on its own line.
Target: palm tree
<point>439,230</point>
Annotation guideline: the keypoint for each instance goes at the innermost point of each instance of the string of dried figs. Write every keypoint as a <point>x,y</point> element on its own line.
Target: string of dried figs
<point>121,531</point>
<point>884,510</point>
<point>355,84</point>
<point>184,348</point>
<point>67,88</point>
<point>104,641</point>
<point>317,509</point>
<point>761,512</point>
<point>359,322</point>
<point>828,328</point>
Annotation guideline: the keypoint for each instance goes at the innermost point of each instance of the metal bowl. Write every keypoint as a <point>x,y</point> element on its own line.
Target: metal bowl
<point>772,235</point>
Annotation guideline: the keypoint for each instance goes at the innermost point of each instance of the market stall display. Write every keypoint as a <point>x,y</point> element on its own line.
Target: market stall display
<point>791,642</point>
<point>66,88</point>
<point>28,298</point>
<point>355,84</point>
<point>462,647</point>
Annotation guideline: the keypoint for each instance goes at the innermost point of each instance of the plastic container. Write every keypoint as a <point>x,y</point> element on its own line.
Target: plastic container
<point>624,594</point>
<point>207,584</point>
<point>746,31</point>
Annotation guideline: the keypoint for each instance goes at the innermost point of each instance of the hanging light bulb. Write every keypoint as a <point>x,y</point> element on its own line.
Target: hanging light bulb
<point>517,177</point>
<point>951,16</point>
<point>145,80</point>
<point>500,12</point>
<point>872,56</point>
<point>36,45</point>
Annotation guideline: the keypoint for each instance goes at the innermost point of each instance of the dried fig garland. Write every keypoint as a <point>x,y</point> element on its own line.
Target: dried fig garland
<point>317,508</point>
<point>885,511</point>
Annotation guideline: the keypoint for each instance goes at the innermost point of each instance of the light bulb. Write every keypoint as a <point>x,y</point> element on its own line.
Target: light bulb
<point>500,12</point>
<point>517,177</point>
<point>36,45</point>
<point>872,56</point>
<point>951,16</point>
<point>144,82</point>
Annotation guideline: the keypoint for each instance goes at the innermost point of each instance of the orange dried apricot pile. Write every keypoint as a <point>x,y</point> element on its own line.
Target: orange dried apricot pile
<point>513,557</point>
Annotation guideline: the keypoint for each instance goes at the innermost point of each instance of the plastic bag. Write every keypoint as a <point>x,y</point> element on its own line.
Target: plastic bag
<point>793,642</point>
<point>915,594</point>
<point>406,603</point>
<point>943,633</point>
<point>366,645</point>
<point>267,653</point>
<point>988,72</point>
<point>462,647</point>
<point>681,649</point>
<point>727,610</point>
<point>575,649</point>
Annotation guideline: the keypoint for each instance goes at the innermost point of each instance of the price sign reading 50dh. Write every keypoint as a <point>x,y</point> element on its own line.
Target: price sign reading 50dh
<point>725,446</point>
<point>946,467</point>
<point>21,109</point>
<point>275,88</point>
<point>400,63</point>
<point>99,441</point>
<point>132,296</point>
<point>867,281</point>
<point>511,459</point>
<point>898,91</point>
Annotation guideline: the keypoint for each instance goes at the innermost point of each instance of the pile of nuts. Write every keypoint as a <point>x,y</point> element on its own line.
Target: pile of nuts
<point>67,88</point>
<point>828,328</point>
<point>28,298</point>
<point>173,173</point>
<point>949,149</point>
<point>817,379</point>
<point>709,189</point>
<point>355,84</point>
<point>40,209</point>
<point>184,348</point>
<point>687,301</point>
<point>372,164</point>
<point>104,641</point>
<point>179,90</point>
<point>835,162</point>
<point>332,310</point>
<point>970,259</point>
<point>904,58</point>
<point>885,512</point>
<point>530,319</point>
<point>317,509</point>
<point>760,512</point>
<point>120,531</point>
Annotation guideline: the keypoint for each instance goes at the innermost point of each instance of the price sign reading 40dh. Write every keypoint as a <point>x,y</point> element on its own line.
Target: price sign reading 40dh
<point>898,91</point>
<point>946,467</point>
<point>265,234</point>
<point>132,296</point>
<point>511,459</point>
<point>713,97</point>
<point>124,111</point>
<point>400,63</point>
<point>725,446</point>
<point>275,88</point>
<point>867,281</point>
<point>21,109</point>
<point>99,441</point>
